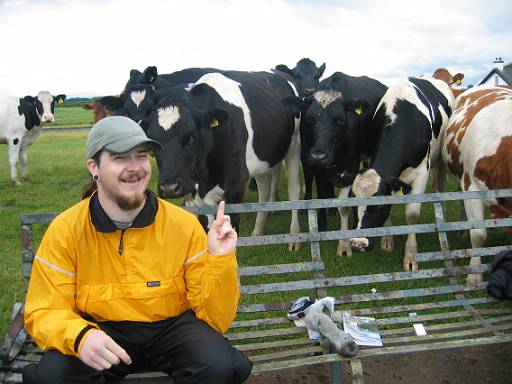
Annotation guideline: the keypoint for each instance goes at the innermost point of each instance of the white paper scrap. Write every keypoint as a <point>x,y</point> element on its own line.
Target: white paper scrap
<point>419,329</point>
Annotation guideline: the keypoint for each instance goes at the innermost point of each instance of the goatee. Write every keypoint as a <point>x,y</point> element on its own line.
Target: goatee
<point>130,203</point>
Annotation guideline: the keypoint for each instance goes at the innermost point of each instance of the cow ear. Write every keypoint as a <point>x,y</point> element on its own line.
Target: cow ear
<point>321,70</point>
<point>399,187</point>
<point>59,99</point>
<point>359,107</point>
<point>215,118</point>
<point>134,73</point>
<point>284,68</point>
<point>150,74</point>
<point>112,102</point>
<point>292,104</point>
<point>342,179</point>
<point>457,79</point>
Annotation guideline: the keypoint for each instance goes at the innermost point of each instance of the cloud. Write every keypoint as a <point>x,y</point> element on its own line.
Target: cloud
<point>89,47</point>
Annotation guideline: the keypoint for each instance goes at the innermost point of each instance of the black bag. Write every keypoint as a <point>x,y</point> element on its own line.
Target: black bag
<point>500,282</point>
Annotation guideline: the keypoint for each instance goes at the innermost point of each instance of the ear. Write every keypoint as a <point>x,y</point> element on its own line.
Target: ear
<point>284,68</point>
<point>150,74</point>
<point>342,179</point>
<point>112,102</point>
<point>457,79</point>
<point>321,69</point>
<point>59,99</point>
<point>358,107</point>
<point>134,72</point>
<point>215,119</point>
<point>292,104</point>
<point>306,102</point>
<point>398,186</point>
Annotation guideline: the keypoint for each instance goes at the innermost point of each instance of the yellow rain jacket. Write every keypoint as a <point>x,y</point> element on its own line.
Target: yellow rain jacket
<point>156,269</point>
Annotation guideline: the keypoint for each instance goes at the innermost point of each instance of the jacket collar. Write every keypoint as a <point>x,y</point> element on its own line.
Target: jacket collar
<point>103,223</point>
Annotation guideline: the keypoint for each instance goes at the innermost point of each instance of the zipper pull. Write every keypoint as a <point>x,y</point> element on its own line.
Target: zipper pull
<point>120,249</point>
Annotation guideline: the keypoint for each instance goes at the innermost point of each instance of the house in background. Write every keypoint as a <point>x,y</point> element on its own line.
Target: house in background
<point>498,76</point>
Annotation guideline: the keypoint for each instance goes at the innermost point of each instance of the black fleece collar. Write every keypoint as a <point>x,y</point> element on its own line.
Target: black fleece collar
<point>103,223</point>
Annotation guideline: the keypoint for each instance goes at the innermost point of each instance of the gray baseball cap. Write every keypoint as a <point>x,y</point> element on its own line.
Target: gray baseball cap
<point>117,134</point>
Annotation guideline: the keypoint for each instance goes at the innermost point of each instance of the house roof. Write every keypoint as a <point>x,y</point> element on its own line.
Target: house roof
<point>505,74</point>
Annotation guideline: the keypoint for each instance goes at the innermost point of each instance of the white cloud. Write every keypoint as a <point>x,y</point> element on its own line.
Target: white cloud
<point>74,46</point>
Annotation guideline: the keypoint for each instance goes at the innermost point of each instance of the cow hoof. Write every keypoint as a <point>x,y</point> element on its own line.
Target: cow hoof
<point>293,247</point>
<point>359,244</point>
<point>410,265</point>
<point>474,280</point>
<point>344,249</point>
<point>387,244</point>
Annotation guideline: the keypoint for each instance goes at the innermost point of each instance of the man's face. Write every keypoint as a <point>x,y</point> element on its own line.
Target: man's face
<point>123,178</point>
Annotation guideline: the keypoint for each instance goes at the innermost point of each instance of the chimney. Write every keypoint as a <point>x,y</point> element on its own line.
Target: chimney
<point>498,63</point>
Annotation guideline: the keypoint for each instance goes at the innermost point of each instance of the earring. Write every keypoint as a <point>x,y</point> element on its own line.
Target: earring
<point>95,178</point>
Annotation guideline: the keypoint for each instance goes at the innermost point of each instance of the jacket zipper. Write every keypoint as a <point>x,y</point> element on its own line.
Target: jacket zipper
<point>120,249</point>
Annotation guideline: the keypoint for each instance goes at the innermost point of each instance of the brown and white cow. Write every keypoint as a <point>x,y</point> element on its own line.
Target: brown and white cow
<point>98,110</point>
<point>477,150</point>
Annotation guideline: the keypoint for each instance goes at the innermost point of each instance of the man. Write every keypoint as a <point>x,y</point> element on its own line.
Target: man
<point>125,282</point>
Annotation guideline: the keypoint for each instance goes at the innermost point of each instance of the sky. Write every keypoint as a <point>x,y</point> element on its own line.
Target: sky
<point>88,47</point>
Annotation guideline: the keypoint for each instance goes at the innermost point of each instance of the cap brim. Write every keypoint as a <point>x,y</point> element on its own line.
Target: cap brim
<point>128,143</point>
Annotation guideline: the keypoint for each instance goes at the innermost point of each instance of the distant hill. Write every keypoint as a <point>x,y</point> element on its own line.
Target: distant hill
<point>77,101</point>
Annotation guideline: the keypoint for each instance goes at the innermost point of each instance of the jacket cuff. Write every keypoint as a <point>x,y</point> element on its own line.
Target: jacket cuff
<point>80,338</point>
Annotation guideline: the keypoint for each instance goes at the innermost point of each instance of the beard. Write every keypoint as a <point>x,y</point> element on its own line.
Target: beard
<point>129,203</point>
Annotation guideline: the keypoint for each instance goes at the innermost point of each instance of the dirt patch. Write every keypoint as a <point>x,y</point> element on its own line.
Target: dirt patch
<point>487,364</point>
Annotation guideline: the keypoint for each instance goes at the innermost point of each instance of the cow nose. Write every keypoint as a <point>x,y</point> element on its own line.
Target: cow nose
<point>170,190</point>
<point>309,91</point>
<point>48,117</point>
<point>318,157</point>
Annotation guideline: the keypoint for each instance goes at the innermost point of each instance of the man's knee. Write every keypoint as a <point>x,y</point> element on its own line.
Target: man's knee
<point>57,368</point>
<point>232,367</point>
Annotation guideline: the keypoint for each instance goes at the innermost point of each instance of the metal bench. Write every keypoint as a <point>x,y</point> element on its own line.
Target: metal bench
<point>453,314</point>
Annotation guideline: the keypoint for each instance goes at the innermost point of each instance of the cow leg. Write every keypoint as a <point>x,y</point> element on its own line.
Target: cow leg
<point>292,161</point>
<point>387,243</point>
<point>412,216</point>
<point>263,182</point>
<point>23,163</point>
<point>475,211</point>
<point>344,244</point>
<point>14,154</point>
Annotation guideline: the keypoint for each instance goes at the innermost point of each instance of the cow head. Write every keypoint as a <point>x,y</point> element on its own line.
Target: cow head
<point>370,182</point>
<point>332,128</point>
<point>39,109</point>
<point>148,77</point>
<point>187,138</point>
<point>136,103</point>
<point>306,73</point>
<point>98,110</point>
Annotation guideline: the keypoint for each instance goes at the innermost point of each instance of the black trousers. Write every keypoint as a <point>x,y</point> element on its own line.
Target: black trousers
<point>184,347</point>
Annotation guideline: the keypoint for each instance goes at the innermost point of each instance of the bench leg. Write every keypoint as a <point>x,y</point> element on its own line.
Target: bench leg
<point>357,371</point>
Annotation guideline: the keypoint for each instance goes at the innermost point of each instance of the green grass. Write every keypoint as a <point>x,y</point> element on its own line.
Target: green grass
<point>57,170</point>
<point>71,117</point>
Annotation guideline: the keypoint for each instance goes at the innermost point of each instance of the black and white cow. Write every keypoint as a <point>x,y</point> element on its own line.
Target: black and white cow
<point>410,116</point>
<point>306,74</point>
<point>151,77</point>
<point>21,120</point>
<point>228,127</point>
<point>336,132</point>
<point>143,89</point>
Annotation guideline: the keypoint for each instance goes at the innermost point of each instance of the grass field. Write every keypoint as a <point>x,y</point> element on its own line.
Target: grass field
<point>57,170</point>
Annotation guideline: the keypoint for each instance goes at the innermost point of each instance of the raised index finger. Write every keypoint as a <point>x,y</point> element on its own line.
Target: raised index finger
<point>220,212</point>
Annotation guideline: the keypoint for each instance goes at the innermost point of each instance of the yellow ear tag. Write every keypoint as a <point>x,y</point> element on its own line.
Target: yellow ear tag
<point>458,81</point>
<point>60,101</point>
<point>151,79</point>
<point>358,110</point>
<point>214,123</point>
<point>400,192</point>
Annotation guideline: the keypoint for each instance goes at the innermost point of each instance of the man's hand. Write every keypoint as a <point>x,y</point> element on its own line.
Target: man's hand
<point>222,237</point>
<point>101,352</point>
